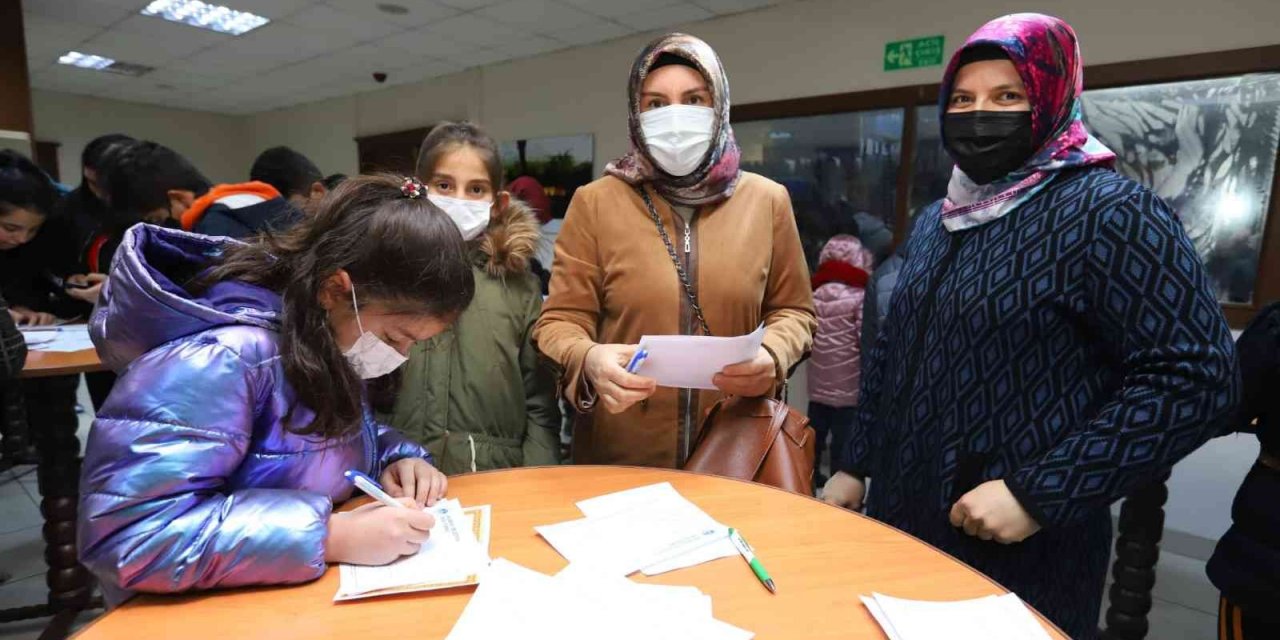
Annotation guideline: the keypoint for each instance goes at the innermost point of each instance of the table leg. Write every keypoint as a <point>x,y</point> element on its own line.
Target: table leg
<point>51,410</point>
<point>13,430</point>
<point>1137,551</point>
<point>15,448</point>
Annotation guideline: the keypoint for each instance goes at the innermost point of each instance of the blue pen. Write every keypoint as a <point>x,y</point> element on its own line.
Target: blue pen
<point>637,360</point>
<point>367,485</point>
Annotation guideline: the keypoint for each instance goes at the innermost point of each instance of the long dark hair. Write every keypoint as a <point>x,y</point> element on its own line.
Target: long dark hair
<point>401,252</point>
<point>23,185</point>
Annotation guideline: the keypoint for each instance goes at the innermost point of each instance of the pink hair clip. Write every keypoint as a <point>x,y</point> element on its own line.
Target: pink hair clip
<point>413,189</point>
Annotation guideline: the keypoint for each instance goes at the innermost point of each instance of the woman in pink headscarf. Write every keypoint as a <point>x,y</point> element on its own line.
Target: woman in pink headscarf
<point>1052,344</point>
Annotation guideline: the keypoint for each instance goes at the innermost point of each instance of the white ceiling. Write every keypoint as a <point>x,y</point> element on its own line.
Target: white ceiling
<point>316,49</point>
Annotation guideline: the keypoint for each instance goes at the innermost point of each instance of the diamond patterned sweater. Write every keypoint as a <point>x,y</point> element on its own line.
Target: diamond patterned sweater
<point>1073,348</point>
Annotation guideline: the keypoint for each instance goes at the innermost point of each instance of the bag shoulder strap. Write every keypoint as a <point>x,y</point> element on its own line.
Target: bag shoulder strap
<point>671,251</point>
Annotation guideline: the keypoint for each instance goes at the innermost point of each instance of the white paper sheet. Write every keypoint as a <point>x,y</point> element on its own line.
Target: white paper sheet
<point>651,528</point>
<point>661,493</point>
<point>883,620</point>
<point>691,361</point>
<point>455,555</point>
<point>989,618</point>
<point>515,602</point>
<point>64,339</point>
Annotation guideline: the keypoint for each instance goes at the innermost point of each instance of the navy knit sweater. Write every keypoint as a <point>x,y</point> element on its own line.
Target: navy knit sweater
<point>1073,348</point>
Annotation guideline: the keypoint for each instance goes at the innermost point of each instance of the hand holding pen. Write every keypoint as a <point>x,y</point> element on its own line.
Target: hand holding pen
<point>606,368</point>
<point>379,532</point>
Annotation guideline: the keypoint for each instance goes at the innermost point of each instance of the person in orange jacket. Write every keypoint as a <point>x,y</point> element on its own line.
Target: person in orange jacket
<point>158,185</point>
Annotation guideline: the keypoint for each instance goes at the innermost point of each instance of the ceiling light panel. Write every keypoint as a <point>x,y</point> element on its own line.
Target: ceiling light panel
<point>205,16</point>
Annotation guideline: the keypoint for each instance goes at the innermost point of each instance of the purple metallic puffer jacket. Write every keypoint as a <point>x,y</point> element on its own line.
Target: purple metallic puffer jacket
<point>190,479</point>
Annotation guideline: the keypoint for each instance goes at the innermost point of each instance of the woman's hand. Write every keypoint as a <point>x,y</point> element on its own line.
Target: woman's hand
<point>25,317</point>
<point>844,490</point>
<point>991,512</point>
<point>616,389</point>
<point>415,479</point>
<point>750,379</point>
<point>92,287</point>
<point>376,534</point>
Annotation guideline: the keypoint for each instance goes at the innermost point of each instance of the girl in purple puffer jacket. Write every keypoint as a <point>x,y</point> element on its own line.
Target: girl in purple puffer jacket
<point>839,288</point>
<point>219,455</point>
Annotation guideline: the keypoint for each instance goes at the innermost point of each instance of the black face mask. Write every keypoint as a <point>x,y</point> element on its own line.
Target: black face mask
<point>988,145</point>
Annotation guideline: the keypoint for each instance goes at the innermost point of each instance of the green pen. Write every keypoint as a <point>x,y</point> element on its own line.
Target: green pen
<point>750,557</point>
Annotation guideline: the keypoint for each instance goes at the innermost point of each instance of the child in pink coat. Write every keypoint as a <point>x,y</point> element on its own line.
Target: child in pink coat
<point>839,289</point>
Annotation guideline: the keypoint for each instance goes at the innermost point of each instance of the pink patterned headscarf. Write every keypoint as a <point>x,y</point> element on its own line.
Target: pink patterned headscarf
<point>1046,53</point>
<point>715,179</point>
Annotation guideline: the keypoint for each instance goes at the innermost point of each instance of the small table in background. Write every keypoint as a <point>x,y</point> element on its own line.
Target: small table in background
<point>48,379</point>
<point>44,364</point>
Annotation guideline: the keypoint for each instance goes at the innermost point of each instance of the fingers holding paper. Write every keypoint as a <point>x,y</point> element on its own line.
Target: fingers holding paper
<point>617,389</point>
<point>991,512</point>
<point>26,317</point>
<point>752,378</point>
<point>376,534</point>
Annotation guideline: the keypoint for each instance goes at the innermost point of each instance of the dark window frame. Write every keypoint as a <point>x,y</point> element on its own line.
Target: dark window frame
<point>1200,66</point>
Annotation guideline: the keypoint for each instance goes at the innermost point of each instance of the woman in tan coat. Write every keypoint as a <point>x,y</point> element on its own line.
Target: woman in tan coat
<point>615,277</point>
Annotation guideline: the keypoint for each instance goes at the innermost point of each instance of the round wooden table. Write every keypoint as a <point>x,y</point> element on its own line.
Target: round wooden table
<point>822,558</point>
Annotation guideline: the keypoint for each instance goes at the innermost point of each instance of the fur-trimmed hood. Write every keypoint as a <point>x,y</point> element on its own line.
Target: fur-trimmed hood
<point>510,241</point>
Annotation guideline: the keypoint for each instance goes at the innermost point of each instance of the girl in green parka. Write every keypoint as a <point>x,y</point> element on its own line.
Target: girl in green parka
<point>477,395</point>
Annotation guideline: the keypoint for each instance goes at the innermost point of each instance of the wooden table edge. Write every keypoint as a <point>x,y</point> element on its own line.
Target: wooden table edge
<point>1039,616</point>
<point>76,362</point>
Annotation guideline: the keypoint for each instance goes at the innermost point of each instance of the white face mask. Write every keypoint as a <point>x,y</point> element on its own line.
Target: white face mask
<point>471,216</point>
<point>678,136</point>
<point>370,356</point>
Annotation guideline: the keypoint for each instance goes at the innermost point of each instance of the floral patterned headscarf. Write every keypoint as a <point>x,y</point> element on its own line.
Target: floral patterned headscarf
<point>1046,53</point>
<point>715,179</point>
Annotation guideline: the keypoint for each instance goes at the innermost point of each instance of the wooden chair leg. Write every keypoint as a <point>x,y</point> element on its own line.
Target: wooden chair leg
<point>1137,552</point>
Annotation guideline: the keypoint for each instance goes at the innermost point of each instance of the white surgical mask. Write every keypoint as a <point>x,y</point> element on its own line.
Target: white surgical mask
<point>678,136</point>
<point>370,356</point>
<point>471,216</point>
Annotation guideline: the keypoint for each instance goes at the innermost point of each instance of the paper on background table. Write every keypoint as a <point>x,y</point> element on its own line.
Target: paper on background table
<point>515,602</point>
<point>611,503</point>
<point>65,339</point>
<point>691,361</point>
<point>454,556</point>
<point>989,618</point>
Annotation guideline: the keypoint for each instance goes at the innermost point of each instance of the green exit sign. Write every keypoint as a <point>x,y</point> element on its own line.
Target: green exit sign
<point>909,54</point>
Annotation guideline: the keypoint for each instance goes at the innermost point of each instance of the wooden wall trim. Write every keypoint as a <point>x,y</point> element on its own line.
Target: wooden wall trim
<point>15,83</point>
<point>1181,68</point>
<point>1101,76</point>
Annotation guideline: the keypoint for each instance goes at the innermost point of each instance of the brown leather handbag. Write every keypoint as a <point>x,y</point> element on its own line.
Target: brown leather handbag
<point>757,439</point>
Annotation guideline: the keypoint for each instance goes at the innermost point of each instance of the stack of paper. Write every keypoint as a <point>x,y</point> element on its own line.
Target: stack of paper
<point>65,339</point>
<point>455,555</point>
<point>690,362</point>
<point>515,602</point>
<point>651,529</point>
<point>990,618</point>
